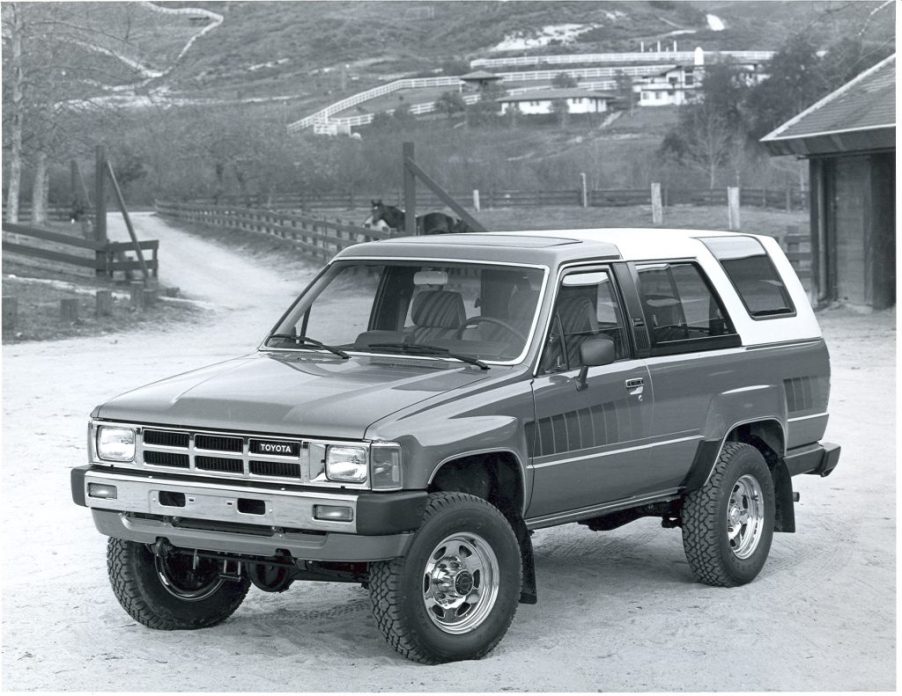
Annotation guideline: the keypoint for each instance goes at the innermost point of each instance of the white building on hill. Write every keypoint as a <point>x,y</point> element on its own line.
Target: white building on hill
<point>541,101</point>
<point>681,84</point>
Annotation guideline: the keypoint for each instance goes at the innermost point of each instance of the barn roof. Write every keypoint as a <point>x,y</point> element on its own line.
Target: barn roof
<point>860,115</point>
<point>551,94</point>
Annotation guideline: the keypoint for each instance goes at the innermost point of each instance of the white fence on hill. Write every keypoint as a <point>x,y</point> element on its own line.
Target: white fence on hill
<point>633,57</point>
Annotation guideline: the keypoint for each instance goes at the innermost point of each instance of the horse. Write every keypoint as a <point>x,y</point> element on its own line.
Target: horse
<point>430,223</point>
<point>380,225</point>
<point>390,214</point>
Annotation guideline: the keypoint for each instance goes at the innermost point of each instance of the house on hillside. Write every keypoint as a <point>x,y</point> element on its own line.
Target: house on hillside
<point>674,85</point>
<point>541,101</point>
<point>849,140</point>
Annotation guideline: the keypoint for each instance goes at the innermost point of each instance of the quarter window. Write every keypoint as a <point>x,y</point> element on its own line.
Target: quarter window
<point>681,311</point>
<point>753,274</point>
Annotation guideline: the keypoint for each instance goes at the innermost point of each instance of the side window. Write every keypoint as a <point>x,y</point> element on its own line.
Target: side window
<point>682,312</point>
<point>587,305</point>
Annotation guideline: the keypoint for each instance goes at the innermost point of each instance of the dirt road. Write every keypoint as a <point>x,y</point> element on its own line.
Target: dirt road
<point>618,611</point>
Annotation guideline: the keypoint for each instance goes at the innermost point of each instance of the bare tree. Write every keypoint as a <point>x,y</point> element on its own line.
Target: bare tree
<point>704,139</point>
<point>50,70</point>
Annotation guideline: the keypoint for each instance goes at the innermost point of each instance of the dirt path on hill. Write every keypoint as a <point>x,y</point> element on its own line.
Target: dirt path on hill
<point>617,611</point>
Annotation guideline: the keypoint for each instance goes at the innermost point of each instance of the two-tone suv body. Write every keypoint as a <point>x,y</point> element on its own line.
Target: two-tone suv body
<point>428,402</point>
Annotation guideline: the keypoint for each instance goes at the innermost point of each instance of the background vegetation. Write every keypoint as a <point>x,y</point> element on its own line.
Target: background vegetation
<point>213,121</point>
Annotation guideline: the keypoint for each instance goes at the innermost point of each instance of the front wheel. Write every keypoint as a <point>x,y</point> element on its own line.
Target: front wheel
<point>728,524</point>
<point>171,591</point>
<point>454,595</point>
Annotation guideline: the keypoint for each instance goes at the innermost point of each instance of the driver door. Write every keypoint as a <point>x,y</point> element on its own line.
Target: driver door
<point>584,441</point>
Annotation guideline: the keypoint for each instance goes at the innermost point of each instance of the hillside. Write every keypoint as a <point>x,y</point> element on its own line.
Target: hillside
<point>311,53</point>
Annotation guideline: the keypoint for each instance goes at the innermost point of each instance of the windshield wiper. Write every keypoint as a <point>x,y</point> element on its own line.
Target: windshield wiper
<point>420,349</point>
<point>310,342</point>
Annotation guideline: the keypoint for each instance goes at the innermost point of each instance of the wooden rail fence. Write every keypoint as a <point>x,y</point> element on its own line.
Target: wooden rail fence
<point>781,199</point>
<point>107,257</point>
<point>56,213</point>
<point>316,237</point>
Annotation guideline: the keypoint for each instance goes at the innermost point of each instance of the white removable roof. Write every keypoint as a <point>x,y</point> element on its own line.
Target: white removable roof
<point>663,244</point>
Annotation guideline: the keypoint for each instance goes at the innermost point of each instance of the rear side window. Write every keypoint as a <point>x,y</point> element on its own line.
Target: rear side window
<point>753,274</point>
<point>682,312</point>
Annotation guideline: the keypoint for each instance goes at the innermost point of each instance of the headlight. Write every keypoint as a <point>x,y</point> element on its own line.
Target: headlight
<point>346,464</point>
<point>115,444</point>
<point>386,458</point>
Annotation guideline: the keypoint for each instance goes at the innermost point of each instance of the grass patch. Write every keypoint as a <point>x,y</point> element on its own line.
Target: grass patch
<point>38,301</point>
<point>753,220</point>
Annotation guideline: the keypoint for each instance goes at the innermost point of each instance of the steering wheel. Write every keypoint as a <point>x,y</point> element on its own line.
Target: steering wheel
<point>473,321</point>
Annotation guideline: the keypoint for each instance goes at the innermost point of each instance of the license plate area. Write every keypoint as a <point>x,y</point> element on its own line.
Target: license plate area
<point>257,510</point>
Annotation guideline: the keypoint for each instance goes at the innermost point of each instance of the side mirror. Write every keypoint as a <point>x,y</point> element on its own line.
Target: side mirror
<point>595,351</point>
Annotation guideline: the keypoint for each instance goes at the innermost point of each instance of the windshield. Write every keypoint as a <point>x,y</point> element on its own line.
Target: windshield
<point>470,310</point>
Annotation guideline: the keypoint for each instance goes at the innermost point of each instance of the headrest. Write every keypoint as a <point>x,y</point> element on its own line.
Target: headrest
<point>440,309</point>
<point>576,312</point>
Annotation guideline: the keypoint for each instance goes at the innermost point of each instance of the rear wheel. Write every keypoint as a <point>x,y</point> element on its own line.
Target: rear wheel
<point>454,595</point>
<point>171,591</point>
<point>728,524</point>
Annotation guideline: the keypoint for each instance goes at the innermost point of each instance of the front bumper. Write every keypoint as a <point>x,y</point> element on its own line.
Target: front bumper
<point>238,517</point>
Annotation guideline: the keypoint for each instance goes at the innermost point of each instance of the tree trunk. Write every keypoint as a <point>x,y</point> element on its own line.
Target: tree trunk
<point>39,191</point>
<point>16,104</point>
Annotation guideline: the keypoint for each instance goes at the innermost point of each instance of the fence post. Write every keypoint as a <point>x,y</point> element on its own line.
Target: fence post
<point>657,209</point>
<point>476,200</point>
<point>788,199</point>
<point>583,190</point>
<point>410,191</point>
<point>733,207</point>
<point>100,203</point>
<point>10,313</point>
<point>69,310</point>
<point>104,300</point>
<point>136,290</point>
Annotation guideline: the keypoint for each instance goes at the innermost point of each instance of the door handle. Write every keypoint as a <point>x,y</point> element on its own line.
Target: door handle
<point>635,386</point>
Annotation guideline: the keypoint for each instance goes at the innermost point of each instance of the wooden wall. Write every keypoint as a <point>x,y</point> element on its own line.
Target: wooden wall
<point>853,228</point>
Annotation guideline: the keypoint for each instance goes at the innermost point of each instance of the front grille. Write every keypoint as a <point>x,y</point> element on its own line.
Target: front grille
<point>166,459</point>
<point>232,466</point>
<point>219,443</point>
<point>282,469</point>
<point>166,438</point>
<point>246,456</point>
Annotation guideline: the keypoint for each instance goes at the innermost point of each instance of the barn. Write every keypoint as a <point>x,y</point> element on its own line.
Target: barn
<point>849,140</point>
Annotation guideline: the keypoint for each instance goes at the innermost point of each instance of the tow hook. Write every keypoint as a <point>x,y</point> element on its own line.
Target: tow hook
<point>231,569</point>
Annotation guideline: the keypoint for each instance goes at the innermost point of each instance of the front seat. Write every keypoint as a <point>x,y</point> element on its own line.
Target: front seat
<point>437,314</point>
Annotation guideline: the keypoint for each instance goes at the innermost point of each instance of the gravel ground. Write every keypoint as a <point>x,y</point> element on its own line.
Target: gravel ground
<point>618,611</point>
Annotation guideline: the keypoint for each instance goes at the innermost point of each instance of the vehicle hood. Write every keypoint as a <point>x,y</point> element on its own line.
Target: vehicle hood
<point>294,394</point>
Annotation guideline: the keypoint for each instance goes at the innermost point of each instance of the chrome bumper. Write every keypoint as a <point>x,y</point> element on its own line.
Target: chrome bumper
<point>217,501</point>
<point>236,517</point>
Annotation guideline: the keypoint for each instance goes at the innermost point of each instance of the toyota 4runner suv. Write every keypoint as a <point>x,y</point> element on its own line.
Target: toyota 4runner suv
<point>427,402</point>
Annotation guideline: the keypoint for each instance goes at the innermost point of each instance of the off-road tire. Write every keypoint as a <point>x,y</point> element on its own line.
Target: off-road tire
<point>704,519</point>
<point>137,586</point>
<point>397,593</point>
